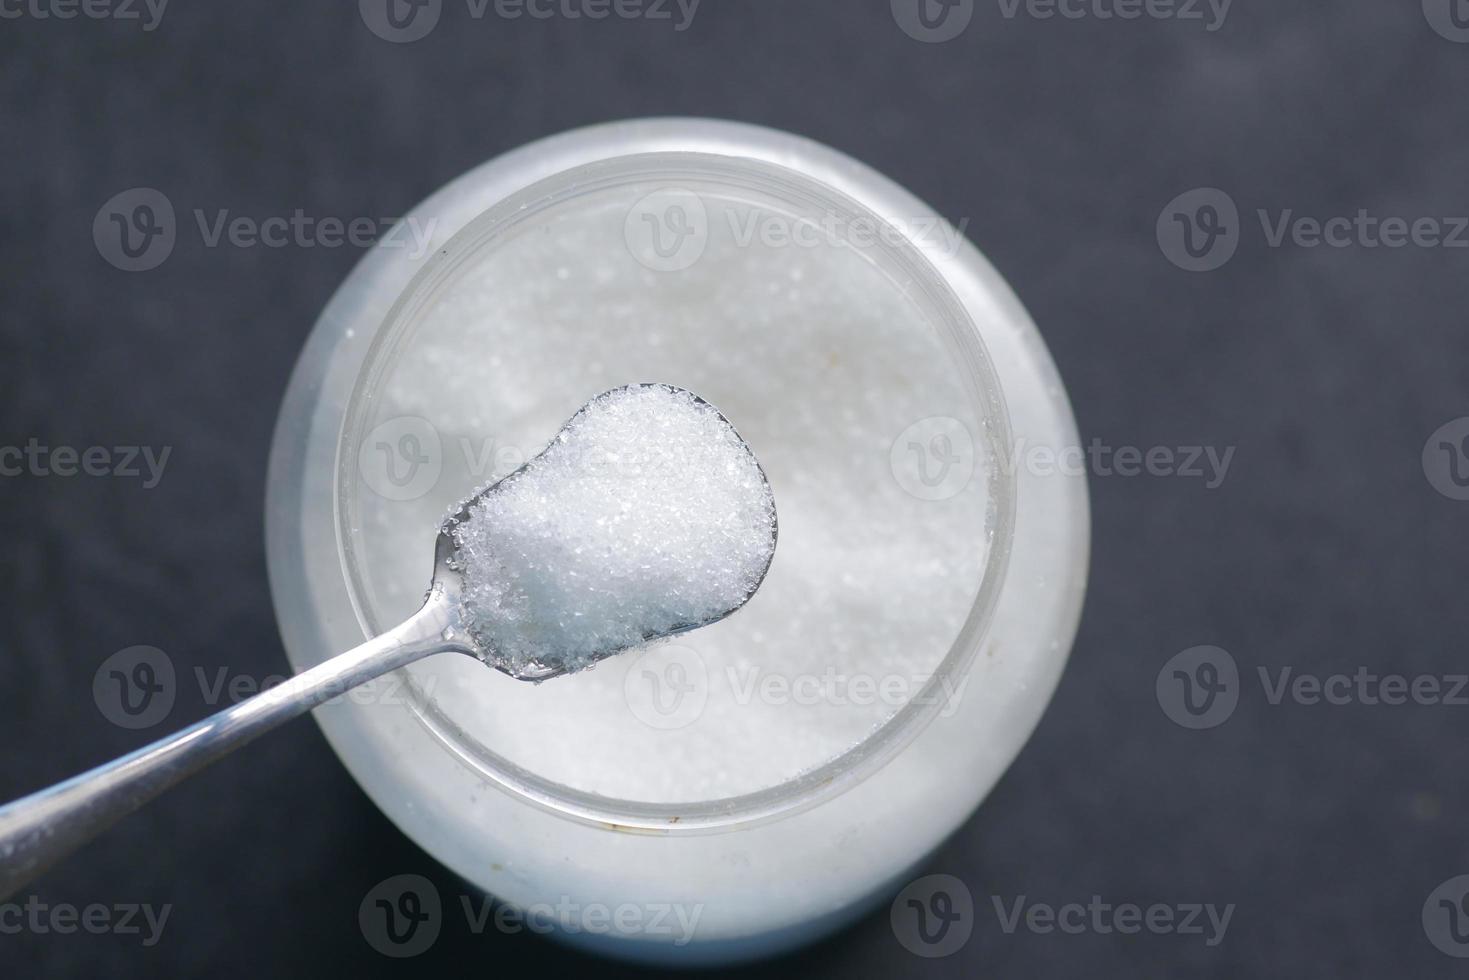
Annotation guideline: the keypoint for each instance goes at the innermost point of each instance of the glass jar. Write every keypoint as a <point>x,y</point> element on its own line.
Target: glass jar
<point>757,785</point>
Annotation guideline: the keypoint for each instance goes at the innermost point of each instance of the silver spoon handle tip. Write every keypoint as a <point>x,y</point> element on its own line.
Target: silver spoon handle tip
<point>38,830</point>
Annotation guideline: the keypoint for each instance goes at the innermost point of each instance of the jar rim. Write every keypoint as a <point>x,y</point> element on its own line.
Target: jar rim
<point>942,307</point>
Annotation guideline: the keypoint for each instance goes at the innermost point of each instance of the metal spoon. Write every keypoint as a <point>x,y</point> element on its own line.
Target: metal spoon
<point>38,830</point>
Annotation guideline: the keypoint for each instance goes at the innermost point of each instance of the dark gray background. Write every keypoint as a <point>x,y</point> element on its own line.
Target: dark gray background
<point>1061,141</point>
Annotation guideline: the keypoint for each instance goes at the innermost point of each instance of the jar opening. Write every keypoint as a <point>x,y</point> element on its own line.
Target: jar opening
<point>677,210</point>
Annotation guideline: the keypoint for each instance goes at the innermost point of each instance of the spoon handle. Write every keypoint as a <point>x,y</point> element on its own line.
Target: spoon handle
<point>38,830</point>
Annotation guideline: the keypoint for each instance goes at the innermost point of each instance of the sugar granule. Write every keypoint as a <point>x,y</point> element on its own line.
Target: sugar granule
<point>646,515</point>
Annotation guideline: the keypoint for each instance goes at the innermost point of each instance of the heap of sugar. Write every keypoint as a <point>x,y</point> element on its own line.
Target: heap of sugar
<point>647,515</point>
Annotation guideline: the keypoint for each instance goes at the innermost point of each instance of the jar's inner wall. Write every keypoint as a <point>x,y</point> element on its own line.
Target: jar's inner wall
<point>832,374</point>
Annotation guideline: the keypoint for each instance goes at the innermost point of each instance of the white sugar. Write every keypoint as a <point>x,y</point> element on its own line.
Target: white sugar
<point>822,364</point>
<point>646,515</point>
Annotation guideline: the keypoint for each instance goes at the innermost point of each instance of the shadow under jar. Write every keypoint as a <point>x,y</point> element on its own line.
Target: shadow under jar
<point>749,787</point>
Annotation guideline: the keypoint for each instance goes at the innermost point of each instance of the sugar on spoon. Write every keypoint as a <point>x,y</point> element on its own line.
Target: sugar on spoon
<point>646,517</point>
